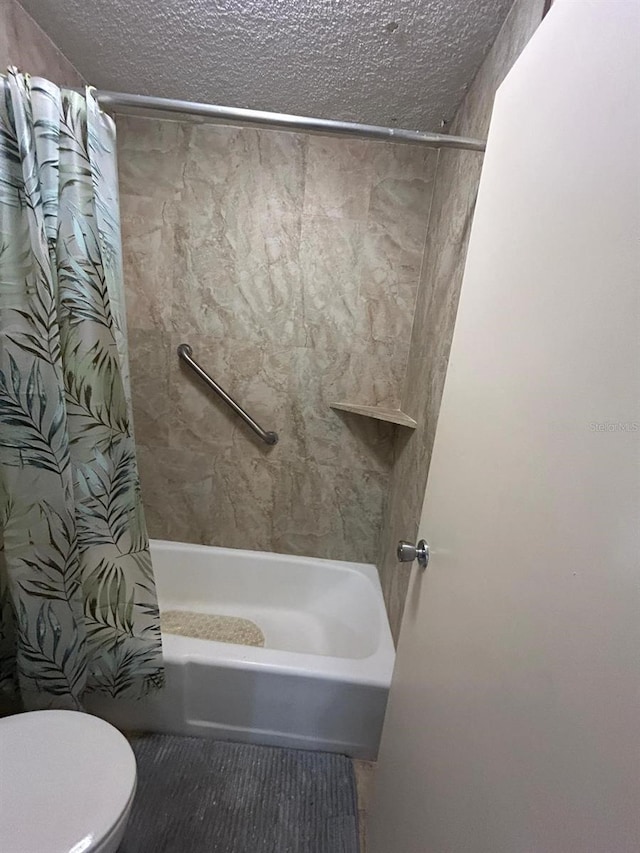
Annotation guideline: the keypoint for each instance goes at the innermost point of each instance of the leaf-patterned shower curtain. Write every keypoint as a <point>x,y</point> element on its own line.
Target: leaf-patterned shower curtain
<point>78,608</point>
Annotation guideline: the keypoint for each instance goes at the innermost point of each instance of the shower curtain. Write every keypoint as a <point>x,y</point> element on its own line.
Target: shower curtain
<point>78,608</point>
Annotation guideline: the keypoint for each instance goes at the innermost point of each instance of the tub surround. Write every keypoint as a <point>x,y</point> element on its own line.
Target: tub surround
<point>304,271</point>
<point>290,263</point>
<point>25,44</point>
<point>456,186</point>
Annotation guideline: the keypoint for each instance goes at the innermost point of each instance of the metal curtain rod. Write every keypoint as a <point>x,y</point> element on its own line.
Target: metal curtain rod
<point>120,100</point>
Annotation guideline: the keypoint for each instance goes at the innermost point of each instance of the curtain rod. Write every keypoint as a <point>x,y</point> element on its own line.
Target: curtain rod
<point>116,101</point>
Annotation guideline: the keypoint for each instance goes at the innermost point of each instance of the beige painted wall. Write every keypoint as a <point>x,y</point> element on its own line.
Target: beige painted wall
<point>290,263</point>
<point>456,187</point>
<point>24,44</point>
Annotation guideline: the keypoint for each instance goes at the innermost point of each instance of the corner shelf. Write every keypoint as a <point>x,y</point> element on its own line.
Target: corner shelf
<point>392,416</point>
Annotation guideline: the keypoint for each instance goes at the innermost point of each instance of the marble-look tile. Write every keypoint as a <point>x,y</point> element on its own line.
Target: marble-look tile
<point>398,215</point>
<point>177,492</point>
<point>5,17</point>
<point>149,356</point>
<point>360,278</point>
<point>25,44</point>
<point>290,301</point>
<point>338,178</point>
<point>242,501</point>
<point>210,499</point>
<point>257,377</point>
<point>147,226</point>
<point>372,375</point>
<point>237,248</point>
<point>327,437</point>
<point>245,169</point>
<point>401,207</point>
<point>389,278</point>
<point>396,160</point>
<point>236,270</point>
<point>151,156</point>
<point>401,193</point>
<point>328,512</point>
<point>443,269</point>
<point>331,256</point>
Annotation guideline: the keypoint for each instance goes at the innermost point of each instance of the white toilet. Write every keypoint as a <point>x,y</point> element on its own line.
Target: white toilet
<point>67,781</point>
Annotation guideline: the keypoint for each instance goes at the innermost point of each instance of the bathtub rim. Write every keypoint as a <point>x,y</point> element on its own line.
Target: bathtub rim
<point>374,670</point>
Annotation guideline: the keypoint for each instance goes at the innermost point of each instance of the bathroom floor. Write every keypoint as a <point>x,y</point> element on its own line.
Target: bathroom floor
<point>364,771</point>
<point>212,796</point>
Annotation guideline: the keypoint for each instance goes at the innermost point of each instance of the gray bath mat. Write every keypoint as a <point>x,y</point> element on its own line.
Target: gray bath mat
<point>204,796</point>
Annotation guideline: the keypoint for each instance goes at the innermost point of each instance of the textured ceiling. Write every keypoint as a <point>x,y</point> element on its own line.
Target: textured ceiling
<point>389,62</point>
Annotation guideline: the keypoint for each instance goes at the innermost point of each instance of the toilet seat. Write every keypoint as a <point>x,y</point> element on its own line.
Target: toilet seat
<point>66,785</point>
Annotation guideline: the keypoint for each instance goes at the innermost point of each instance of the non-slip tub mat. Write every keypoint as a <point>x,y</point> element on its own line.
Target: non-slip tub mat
<point>207,626</point>
<point>203,796</point>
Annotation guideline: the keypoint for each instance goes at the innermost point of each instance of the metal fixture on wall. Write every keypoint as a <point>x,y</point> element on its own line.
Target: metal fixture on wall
<point>408,552</point>
<point>185,352</point>
<point>122,102</point>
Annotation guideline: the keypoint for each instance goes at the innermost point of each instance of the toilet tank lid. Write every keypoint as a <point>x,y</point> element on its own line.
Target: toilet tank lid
<point>67,779</point>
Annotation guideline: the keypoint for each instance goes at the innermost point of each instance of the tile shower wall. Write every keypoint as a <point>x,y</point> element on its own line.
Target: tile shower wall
<point>290,263</point>
<point>456,186</point>
<point>24,44</point>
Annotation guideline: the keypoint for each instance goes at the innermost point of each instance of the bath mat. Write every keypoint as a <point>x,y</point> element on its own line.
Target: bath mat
<point>207,626</point>
<point>204,796</point>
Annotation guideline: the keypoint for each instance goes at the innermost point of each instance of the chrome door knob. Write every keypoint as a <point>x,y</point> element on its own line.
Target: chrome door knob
<point>407,552</point>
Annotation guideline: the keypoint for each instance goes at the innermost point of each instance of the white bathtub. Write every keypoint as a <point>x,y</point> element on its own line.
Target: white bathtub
<point>320,682</point>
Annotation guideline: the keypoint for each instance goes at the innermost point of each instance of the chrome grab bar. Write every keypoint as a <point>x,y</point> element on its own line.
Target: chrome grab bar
<point>185,352</point>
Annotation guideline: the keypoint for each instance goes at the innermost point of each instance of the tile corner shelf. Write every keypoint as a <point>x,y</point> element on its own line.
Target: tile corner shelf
<point>392,416</point>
